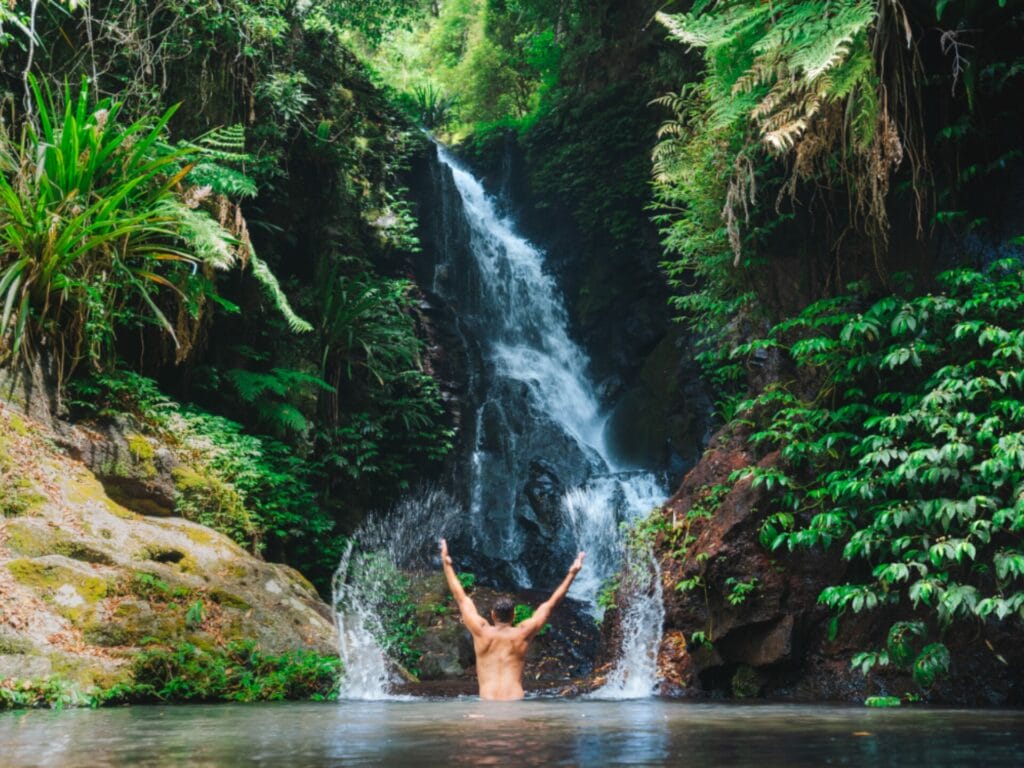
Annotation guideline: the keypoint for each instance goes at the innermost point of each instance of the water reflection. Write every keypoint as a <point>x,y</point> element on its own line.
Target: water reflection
<point>468,732</point>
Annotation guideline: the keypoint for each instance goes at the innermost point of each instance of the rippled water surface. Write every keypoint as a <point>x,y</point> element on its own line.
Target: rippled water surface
<point>537,732</point>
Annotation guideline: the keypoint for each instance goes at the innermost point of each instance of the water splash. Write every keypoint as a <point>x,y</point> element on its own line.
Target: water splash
<point>643,615</point>
<point>368,574</point>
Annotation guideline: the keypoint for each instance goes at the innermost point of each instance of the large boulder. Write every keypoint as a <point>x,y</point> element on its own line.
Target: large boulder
<point>86,581</point>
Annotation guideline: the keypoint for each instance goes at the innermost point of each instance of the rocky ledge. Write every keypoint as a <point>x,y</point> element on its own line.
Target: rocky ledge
<point>86,582</point>
<point>773,639</point>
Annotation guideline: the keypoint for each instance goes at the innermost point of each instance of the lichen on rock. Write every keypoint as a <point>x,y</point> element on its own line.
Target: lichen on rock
<point>86,583</point>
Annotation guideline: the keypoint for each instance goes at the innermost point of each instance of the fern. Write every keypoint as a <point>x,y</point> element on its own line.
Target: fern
<point>209,242</point>
<point>273,290</point>
<point>221,158</point>
<point>271,392</point>
<point>800,82</point>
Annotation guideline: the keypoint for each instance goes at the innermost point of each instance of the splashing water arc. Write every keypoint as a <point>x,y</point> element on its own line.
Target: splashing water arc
<point>536,412</point>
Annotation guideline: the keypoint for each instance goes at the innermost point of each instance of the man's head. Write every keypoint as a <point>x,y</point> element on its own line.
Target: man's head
<point>503,611</point>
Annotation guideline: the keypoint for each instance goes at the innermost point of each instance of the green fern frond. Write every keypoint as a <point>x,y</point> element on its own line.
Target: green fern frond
<point>252,385</point>
<point>283,415</point>
<point>207,240</point>
<point>223,155</point>
<point>273,290</point>
<point>223,180</point>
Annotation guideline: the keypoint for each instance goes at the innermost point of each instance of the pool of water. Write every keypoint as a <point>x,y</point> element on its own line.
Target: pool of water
<point>534,732</point>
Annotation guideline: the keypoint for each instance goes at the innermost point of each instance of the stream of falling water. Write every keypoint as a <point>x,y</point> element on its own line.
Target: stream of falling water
<point>539,405</point>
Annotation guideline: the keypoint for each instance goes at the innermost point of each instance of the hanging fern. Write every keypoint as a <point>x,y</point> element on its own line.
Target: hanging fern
<point>221,162</point>
<point>272,288</point>
<point>804,82</point>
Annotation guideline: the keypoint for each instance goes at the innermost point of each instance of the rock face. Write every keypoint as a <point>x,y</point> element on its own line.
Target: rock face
<point>86,581</point>
<point>776,640</point>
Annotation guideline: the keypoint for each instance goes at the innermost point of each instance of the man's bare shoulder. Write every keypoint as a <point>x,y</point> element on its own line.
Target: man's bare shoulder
<point>503,633</point>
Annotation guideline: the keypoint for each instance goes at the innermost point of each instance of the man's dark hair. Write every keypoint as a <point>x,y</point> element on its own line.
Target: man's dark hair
<point>504,610</point>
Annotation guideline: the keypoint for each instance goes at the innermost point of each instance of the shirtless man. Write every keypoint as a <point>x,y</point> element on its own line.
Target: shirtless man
<point>501,648</point>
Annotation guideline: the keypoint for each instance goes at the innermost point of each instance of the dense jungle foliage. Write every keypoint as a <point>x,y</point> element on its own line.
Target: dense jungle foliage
<point>205,225</point>
<point>847,176</point>
<point>165,255</point>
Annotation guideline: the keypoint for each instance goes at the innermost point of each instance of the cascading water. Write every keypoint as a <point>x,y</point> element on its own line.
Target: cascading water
<point>539,410</point>
<point>540,480</point>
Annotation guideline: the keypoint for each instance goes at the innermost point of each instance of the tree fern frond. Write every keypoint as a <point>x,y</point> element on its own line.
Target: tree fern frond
<point>207,240</point>
<point>283,416</point>
<point>273,290</point>
<point>223,180</point>
<point>251,385</point>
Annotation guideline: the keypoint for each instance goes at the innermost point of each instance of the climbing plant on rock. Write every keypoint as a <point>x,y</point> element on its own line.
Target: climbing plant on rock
<point>910,457</point>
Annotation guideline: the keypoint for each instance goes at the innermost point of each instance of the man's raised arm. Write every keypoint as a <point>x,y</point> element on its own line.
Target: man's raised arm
<point>473,620</point>
<point>540,617</point>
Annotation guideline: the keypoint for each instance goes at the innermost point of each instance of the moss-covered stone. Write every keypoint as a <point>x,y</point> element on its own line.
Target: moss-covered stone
<point>35,539</point>
<point>227,599</point>
<point>72,592</point>
<point>17,496</point>
<point>12,645</point>
<point>85,489</point>
<point>206,499</point>
<point>18,425</point>
<point>142,452</point>
<point>50,577</point>
<point>199,535</point>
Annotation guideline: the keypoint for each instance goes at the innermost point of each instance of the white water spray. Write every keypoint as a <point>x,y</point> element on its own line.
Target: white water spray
<point>643,615</point>
<point>367,575</point>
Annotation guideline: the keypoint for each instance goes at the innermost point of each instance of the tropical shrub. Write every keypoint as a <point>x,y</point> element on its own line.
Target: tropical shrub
<point>98,232</point>
<point>909,457</point>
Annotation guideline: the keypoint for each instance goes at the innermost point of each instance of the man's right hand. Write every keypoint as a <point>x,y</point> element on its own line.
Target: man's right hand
<point>577,563</point>
<point>445,558</point>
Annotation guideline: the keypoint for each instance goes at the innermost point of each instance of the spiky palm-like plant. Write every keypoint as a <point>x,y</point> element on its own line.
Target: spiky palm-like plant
<point>97,233</point>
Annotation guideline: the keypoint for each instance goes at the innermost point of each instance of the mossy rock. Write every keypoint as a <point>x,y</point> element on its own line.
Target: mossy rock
<point>227,599</point>
<point>133,621</point>
<point>73,592</point>
<point>161,554</point>
<point>199,535</point>
<point>12,645</point>
<point>296,578</point>
<point>86,489</point>
<point>50,576</point>
<point>88,673</point>
<point>33,538</point>
<point>18,425</point>
<point>210,501</point>
<point>106,634</point>
<point>17,496</point>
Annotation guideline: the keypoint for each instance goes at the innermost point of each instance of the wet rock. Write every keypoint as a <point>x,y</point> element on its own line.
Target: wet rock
<point>544,493</point>
<point>662,420</point>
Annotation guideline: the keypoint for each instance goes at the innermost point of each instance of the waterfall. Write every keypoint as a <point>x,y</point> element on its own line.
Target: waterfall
<point>509,303</point>
<point>539,479</point>
<point>367,575</point>
<point>643,614</point>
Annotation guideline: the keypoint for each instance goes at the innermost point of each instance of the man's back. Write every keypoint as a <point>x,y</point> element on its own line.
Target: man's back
<point>500,656</point>
<point>501,647</point>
